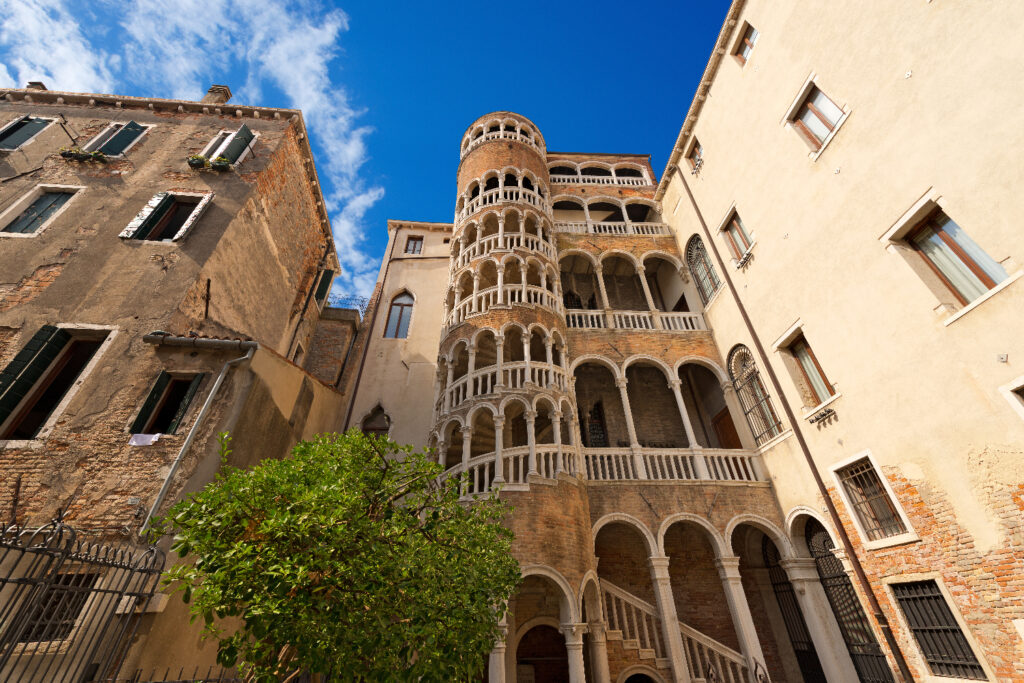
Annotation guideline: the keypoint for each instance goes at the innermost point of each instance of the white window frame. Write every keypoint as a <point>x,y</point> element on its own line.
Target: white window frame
<point>798,101</point>
<point>205,199</point>
<point>422,241</point>
<point>44,432</point>
<point>93,143</point>
<point>979,653</point>
<point>19,118</point>
<point>781,345</point>
<point>738,41</point>
<point>213,150</point>
<point>15,210</point>
<point>909,536</point>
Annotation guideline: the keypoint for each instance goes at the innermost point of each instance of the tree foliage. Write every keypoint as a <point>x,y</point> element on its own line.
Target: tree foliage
<point>349,557</point>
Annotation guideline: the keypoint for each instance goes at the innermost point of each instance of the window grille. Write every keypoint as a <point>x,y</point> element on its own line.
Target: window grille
<point>792,617</point>
<point>754,398</point>
<point>943,644</point>
<point>703,271</point>
<point>870,500</point>
<point>597,433</point>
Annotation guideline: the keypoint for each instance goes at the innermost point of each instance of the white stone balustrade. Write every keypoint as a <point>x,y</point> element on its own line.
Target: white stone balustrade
<point>612,228</point>
<point>501,135</point>
<point>484,381</point>
<point>501,195</point>
<point>514,462</point>
<point>505,295</point>
<point>671,464</point>
<point>491,243</point>
<point>599,180</point>
<point>635,320</point>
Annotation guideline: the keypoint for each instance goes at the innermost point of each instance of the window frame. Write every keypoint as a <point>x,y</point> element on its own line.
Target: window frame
<point>414,240</point>
<point>762,405</point>
<point>191,393</point>
<point>713,277</point>
<point>95,143</point>
<point>1013,392</point>
<point>391,307</point>
<point>13,212</point>
<point>799,339</point>
<point>83,330</point>
<point>97,585</point>
<point>212,150</point>
<point>731,229</point>
<point>979,653</point>
<point>742,41</point>
<point>325,275</point>
<point>13,122</point>
<point>908,536</point>
<point>136,224</point>
<point>790,119</point>
<point>695,155</point>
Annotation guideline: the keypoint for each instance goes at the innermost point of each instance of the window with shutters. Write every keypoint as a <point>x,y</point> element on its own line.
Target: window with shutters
<point>233,146</point>
<point>875,510</point>
<point>34,212</point>
<point>695,156</point>
<point>167,217</point>
<point>20,131</point>
<point>35,383</point>
<point>940,637</point>
<point>414,245</point>
<point>399,317</point>
<point>117,138</point>
<point>166,404</point>
<point>704,275</point>
<point>323,286</point>
<point>377,423</point>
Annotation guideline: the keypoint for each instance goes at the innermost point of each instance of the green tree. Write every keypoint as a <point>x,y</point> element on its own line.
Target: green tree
<point>347,557</point>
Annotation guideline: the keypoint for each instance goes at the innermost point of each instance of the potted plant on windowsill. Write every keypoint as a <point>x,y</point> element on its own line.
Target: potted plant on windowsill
<point>68,152</point>
<point>197,161</point>
<point>97,156</point>
<point>221,164</point>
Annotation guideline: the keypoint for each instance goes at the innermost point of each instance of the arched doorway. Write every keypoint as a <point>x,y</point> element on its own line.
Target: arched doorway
<point>541,656</point>
<point>792,617</point>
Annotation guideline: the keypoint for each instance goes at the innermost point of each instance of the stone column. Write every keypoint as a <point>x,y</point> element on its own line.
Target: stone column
<point>634,444</point>
<point>501,232</point>
<point>599,274</point>
<point>750,645</point>
<point>501,283</point>
<point>599,652</point>
<point>675,385</point>
<point>476,289</point>
<point>556,427</point>
<point>442,452</point>
<point>669,619</point>
<point>499,444</point>
<point>531,440</point>
<point>526,357</point>
<point>574,647</point>
<point>821,624</point>
<point>467,437</point>
<point>499,345</point>
<point>574,423</point>
<point>641,273</point>
<point>496,660</point>
<point>472,360</point>
<point>447,388</point>
<point>455,306</point>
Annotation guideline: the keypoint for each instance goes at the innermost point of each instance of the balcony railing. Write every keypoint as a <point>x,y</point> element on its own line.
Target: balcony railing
<point>612,228</point>
<point>499,195</point>
<point>598,180</point>
<point>635,320</point>
<point>506,295</point>
<point>514,463</point>
<point>508,241</point>
<point>513,375</point>
<point>670,464</point>
<point>501,135</point>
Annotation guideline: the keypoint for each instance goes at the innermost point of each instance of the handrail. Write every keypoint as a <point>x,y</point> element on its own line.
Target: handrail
<point>670,321</point>
<point>501,194</point>
<point>672,464</point>
<point>485,380</point>
<point>612,228</point>
<point>598,180</point>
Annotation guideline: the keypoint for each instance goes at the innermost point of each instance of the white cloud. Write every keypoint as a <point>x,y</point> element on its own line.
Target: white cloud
<point>178,49</point>
<point>45,43</point>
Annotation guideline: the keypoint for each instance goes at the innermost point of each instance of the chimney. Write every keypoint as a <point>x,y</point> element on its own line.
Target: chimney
<point>36,85</point>
<point>217,94</point>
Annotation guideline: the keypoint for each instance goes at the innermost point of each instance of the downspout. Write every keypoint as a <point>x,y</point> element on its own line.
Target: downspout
<point>883,622</point>
<point>162,338</point>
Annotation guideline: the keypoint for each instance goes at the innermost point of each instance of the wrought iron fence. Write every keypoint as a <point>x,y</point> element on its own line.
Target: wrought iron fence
<point>69,608</point>
<point>359,303</point>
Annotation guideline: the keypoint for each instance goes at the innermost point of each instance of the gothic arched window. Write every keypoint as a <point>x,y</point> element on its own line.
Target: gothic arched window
<point>757,404</point>
<point>399,316</point>
<point>377,422</point>
<point>703,271</point>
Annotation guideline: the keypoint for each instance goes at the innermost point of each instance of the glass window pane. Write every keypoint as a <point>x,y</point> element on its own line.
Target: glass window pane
<point>828,109</point>
<point>956,272</point>
<point>814,124</point>
<point>977,254</point>
<point>405,315</point>
<point>818,384</point>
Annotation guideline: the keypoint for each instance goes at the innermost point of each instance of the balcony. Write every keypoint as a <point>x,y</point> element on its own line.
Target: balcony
<point>504,376</point>
<point>502,296</point>
<point>597,180</point>
<point>634,320</point>
<point>612,228</point>
<point>501,195</point>
<point>505,242</point>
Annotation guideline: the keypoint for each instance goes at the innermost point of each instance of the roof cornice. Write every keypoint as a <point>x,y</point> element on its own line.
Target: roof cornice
<point>710,71</point>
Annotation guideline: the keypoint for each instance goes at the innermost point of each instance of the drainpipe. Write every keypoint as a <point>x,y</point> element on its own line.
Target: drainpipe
<point>883,622</point>
<point>165,339</point>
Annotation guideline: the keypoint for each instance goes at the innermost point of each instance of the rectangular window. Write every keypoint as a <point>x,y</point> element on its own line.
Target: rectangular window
<point>324,286</point>
<point>414,245</point>
<point>746,44</point>
<point>167,217</point>
<point>20,131</point>
<point>35,382</point>
<point>935,628</point>
<point>116,138</point>
<point>817,117</point>
<point>870,500</point>
<point>54,614</point>
<point>167,403</point>
<point>38,212</point>
<point>232,146</point>
<point>954,257</point>
<point>737,236</point>
<point>696,157</point>
<point>814,377</point>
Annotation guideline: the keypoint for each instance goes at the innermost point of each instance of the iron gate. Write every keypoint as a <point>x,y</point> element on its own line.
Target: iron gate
<point>68,607</point>
<point>796,627</point>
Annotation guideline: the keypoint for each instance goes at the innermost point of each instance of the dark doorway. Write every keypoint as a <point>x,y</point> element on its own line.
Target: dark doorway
<point>796,627</point>
<point>542,651</point>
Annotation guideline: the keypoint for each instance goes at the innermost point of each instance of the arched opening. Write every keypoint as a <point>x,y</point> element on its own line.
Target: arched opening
<point>377,423</point>
<point>754,398</point>
<point>640,678</point>
<point>628,172</point>
<point>605,212</point>
<point>579,278</point>
<point>511,180</point>
<point>704,275</point>
<point>543,426</point>
<point>460,360</point>
<point>595,172</point>
<point>568,211</point>
<point>562,170</point>
<point>557,349</point>
<point>527,184</point>
<point>542,657</point>
<point>568,438</point>
<point>513,348</point>
<point>665,285</point>
<point>623,567</point>
<point>538,348</point>
<point>640,212</point>
<point>705,404</point>
<point>453,445</point>
<point>622,284</point>
<point>488,281</point>
<point>474,190</point>
<point>486,350</point>
<point>515,432</point>
<point>513,284</point>
<point>786,643</point>
<point>488,227</point>
<point>602,418</point>
<point>491,183</point>
<point>658,424</point>
<point>482,440</point>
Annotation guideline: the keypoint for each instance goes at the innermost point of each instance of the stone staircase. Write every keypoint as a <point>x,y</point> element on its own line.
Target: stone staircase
<point>636,625</point>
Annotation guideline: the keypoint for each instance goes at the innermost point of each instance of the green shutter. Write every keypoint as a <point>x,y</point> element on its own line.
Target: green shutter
<point>121,139</point>
<point>238,143</point>
<point>20,132</point>
<point>162,380</point>
<point>189,395</point>
<point>324,286</point>
<point>21,374</point>
<point>155,216</point>
<point>36,214</point>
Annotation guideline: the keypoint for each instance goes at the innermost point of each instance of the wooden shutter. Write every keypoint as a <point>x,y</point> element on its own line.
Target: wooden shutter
<point>28,366</point>
<point>38,211</point>
<point>19,132</point>
<point>238,143</point>
<point>162,380</point>
<point>189,395</point>
<point>324,286</point>
<point>121,139</point>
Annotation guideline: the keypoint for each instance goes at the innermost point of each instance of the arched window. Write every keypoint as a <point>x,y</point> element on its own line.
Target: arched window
<point>757,404</point>
<point>377,423</point>
<point>399,316</point>
<point>703,271</point>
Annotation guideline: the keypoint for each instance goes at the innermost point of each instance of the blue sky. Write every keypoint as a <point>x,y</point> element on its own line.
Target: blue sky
<point>387,89</point>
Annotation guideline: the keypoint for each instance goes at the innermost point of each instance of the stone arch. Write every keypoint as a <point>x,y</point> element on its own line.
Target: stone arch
<point>569,612</point>
<point>765,526</point>
<point>704,362</point>
<point>482,430</point>
<point>613,253</point>
<point>640,669</point>
<point>642,357</point>
<point>718,542</point>
<point>796,523</point>
<point>657,253</point>
<point>629,520</point>
<point>566,253</point>
<point>595,164</point>
<point>599,360</point>
<point>590,593</point>
<point>459,359</point>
